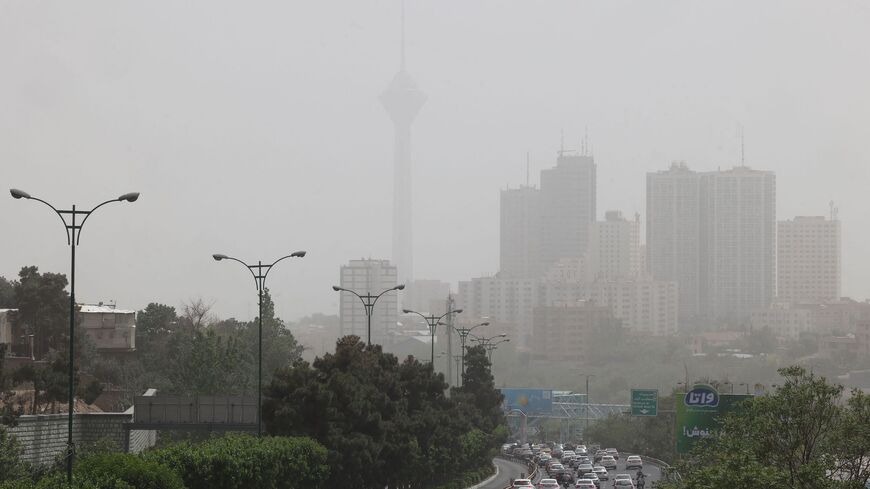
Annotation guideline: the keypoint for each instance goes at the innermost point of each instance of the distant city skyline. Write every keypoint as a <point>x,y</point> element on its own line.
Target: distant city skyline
<point>263,133</point>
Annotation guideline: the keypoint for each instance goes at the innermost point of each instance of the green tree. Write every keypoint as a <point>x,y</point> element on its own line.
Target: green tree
<point>11,466</point>
<point>280,348</point>
<point>205,363</point>
<point>43,308</point>
<point>385,423</point>
<point>800,437</point>
<point>7,294</point>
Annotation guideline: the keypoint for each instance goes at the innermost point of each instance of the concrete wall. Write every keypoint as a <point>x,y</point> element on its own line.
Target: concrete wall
<point>43,437</point>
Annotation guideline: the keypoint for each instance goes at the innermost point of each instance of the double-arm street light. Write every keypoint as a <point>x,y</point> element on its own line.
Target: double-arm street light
<point>463,337</point>
<point>73,235</point>
<point>432,320</point>
<point>260,272</point>
<point>369,302</point>
<point>491,347</point>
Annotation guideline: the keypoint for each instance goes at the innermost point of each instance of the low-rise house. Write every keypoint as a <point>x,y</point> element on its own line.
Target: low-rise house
<point>111,329</point>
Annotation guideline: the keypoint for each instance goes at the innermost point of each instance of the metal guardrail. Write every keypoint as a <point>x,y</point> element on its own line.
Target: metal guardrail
<point>533,467</point>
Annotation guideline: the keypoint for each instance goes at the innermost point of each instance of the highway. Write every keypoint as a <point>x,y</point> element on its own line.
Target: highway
<point>511,470</point>
<point>507,472</point>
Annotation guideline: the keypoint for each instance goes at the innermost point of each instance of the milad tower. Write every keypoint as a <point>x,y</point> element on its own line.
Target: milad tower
<point>402,100</point>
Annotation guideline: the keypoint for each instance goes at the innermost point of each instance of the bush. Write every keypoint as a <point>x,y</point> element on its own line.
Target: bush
<point>108,469</point>
<point>245,461</point>
<point>58,481</point>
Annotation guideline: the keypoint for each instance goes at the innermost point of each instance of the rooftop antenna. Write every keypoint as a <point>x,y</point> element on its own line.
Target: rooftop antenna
<point>586,149</point>
<point>402,59</point>
<point>562,142</point>
<point>527,168</point>
<point>742,146</point>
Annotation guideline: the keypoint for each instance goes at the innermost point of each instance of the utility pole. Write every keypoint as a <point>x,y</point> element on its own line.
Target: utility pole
<point>449,335</point>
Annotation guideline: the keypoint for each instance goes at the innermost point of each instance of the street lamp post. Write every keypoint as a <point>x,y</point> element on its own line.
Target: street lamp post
<point>73,236</point>
<point>457,359</point>
<point>588,376</point>
<point>260,272</point>
<point>490,347</point>
<point>369,302</point>
<point>463,336</point>
<point>432,321</point>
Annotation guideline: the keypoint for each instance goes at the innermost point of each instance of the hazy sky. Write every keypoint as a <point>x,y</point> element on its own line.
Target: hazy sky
<point>254,128</point>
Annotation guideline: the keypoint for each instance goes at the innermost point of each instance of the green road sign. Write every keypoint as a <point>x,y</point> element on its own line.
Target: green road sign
<point>644,402</point>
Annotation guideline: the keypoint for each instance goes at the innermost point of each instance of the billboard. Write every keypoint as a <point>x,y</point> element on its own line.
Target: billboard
<point>698,414</point>
<point>529,401</point>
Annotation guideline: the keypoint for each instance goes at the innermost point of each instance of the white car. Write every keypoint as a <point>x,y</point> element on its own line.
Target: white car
<point>548,484</point>
<point>624,484</point>
<point>622,477</point>
<point>522,484</point>
<point>633,461</point>
<point>601,472</point>
<point>614,452</point>
<point>584,484</point>
<point>608,462</point>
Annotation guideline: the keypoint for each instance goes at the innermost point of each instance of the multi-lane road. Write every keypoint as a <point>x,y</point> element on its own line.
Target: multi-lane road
<point>509,470</point>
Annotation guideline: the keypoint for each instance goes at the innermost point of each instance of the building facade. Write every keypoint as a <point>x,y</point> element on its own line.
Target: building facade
<point>111,329</point>
<point>738,243</point>
<point>520,232</point>
<point>614,248</point>
<point>367,276</point>
<point>6,319</point>
<point>645,306</point>
<point>808,259</point>
<point>784,320</point>
<point>562,333</point>
<point>673,233</point>
<point>568,207</point>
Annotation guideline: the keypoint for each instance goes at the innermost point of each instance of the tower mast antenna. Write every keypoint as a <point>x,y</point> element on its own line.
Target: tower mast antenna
<point>402,53</point>
<point>527,168</point>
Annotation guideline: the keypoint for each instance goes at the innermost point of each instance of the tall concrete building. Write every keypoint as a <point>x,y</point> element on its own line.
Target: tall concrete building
<point>520,232</point>
<point>369,276</point>
<point>808,259</point>
<point>645,306</point>
<point>738,243</point>
<point>562,333</point>
<point>673,233</point>
<point>402,100</point>
<point>426,296</point>
<point>568,206</point>
<point>614,247</point>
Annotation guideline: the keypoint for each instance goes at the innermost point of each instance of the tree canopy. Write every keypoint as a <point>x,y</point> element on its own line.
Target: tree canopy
<point>802,436</point>
<point>385,422</point>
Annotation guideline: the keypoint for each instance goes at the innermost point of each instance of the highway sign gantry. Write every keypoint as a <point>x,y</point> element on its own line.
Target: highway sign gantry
<point>644,402</point>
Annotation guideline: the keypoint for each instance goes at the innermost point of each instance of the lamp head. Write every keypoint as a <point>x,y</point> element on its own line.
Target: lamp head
<point>399,287</point>
<point>130,197</point>
<point>407,311</point>
<point>219,257</point>
<point>336,288</point>
<point>457,311</point>
<point>19,194</point>
<point>298,254</point>
<point>502,335</point>
<point>484,324</point>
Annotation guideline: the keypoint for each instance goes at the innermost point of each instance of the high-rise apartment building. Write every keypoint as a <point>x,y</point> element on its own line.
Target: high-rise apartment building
<point>568,206</point>
<point>520,232</point>
<point>738,242</point>
<point>614,247</point>
<point>673,233</point>
<point>714,234</point>
<point>369,276</point>
<point>644,305</point>
<point>808,259</point>
<point>562,333</point>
